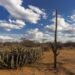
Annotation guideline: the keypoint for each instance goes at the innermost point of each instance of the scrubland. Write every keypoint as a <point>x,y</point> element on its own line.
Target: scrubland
<point>36,61</point>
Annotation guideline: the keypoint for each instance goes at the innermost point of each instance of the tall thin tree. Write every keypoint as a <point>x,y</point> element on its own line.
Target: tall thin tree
<point>54,48</point>
<point>55,44</point>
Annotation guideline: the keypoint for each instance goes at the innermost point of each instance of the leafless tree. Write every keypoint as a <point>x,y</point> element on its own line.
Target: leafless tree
<point>54,45</point>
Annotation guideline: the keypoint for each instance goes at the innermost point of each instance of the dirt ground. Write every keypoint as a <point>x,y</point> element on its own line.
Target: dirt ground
<point>66,65</point>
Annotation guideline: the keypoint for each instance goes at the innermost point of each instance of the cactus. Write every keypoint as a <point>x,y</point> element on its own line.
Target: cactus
<point>18,57</point>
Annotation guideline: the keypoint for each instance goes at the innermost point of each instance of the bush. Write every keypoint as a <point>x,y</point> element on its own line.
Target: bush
<point>19,57</point>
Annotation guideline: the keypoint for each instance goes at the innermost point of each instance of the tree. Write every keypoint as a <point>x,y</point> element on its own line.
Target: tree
<point>54,46</point>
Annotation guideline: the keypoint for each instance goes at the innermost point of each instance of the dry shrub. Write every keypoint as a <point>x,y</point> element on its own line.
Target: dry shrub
<point>19,56</point>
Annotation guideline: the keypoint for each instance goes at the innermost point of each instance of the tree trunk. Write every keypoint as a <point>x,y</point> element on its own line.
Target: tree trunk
<point>55,44</point>
<point>55,60</point>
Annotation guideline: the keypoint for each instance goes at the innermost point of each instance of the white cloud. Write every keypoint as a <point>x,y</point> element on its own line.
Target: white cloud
<point>47,36</point>
<point>39,36</point>
<point>12,24</point>
<point>32,14</point>
<point>66,30</point>
<point>38,11</point>
<point>62,25</point>
<point>72,17</point>
<point>5,37</point>
<point>8,39</point>
<point>34,34</point>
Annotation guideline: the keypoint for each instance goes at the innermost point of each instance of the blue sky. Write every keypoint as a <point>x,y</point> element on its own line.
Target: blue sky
<point>35,19</point>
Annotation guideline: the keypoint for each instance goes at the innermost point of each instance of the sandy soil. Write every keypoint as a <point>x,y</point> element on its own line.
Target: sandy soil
<point>66,65</point>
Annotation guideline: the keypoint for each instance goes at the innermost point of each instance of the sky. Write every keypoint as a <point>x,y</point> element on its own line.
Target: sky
<point>35,19</point>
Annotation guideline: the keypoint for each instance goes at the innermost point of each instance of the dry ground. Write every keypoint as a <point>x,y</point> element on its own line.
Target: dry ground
<point>66,65</point>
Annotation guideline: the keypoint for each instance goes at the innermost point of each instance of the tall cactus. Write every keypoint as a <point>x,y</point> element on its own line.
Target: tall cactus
<point>55,44</point>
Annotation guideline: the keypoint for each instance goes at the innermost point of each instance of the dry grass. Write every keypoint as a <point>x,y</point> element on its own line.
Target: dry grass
<point>66,65</point>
